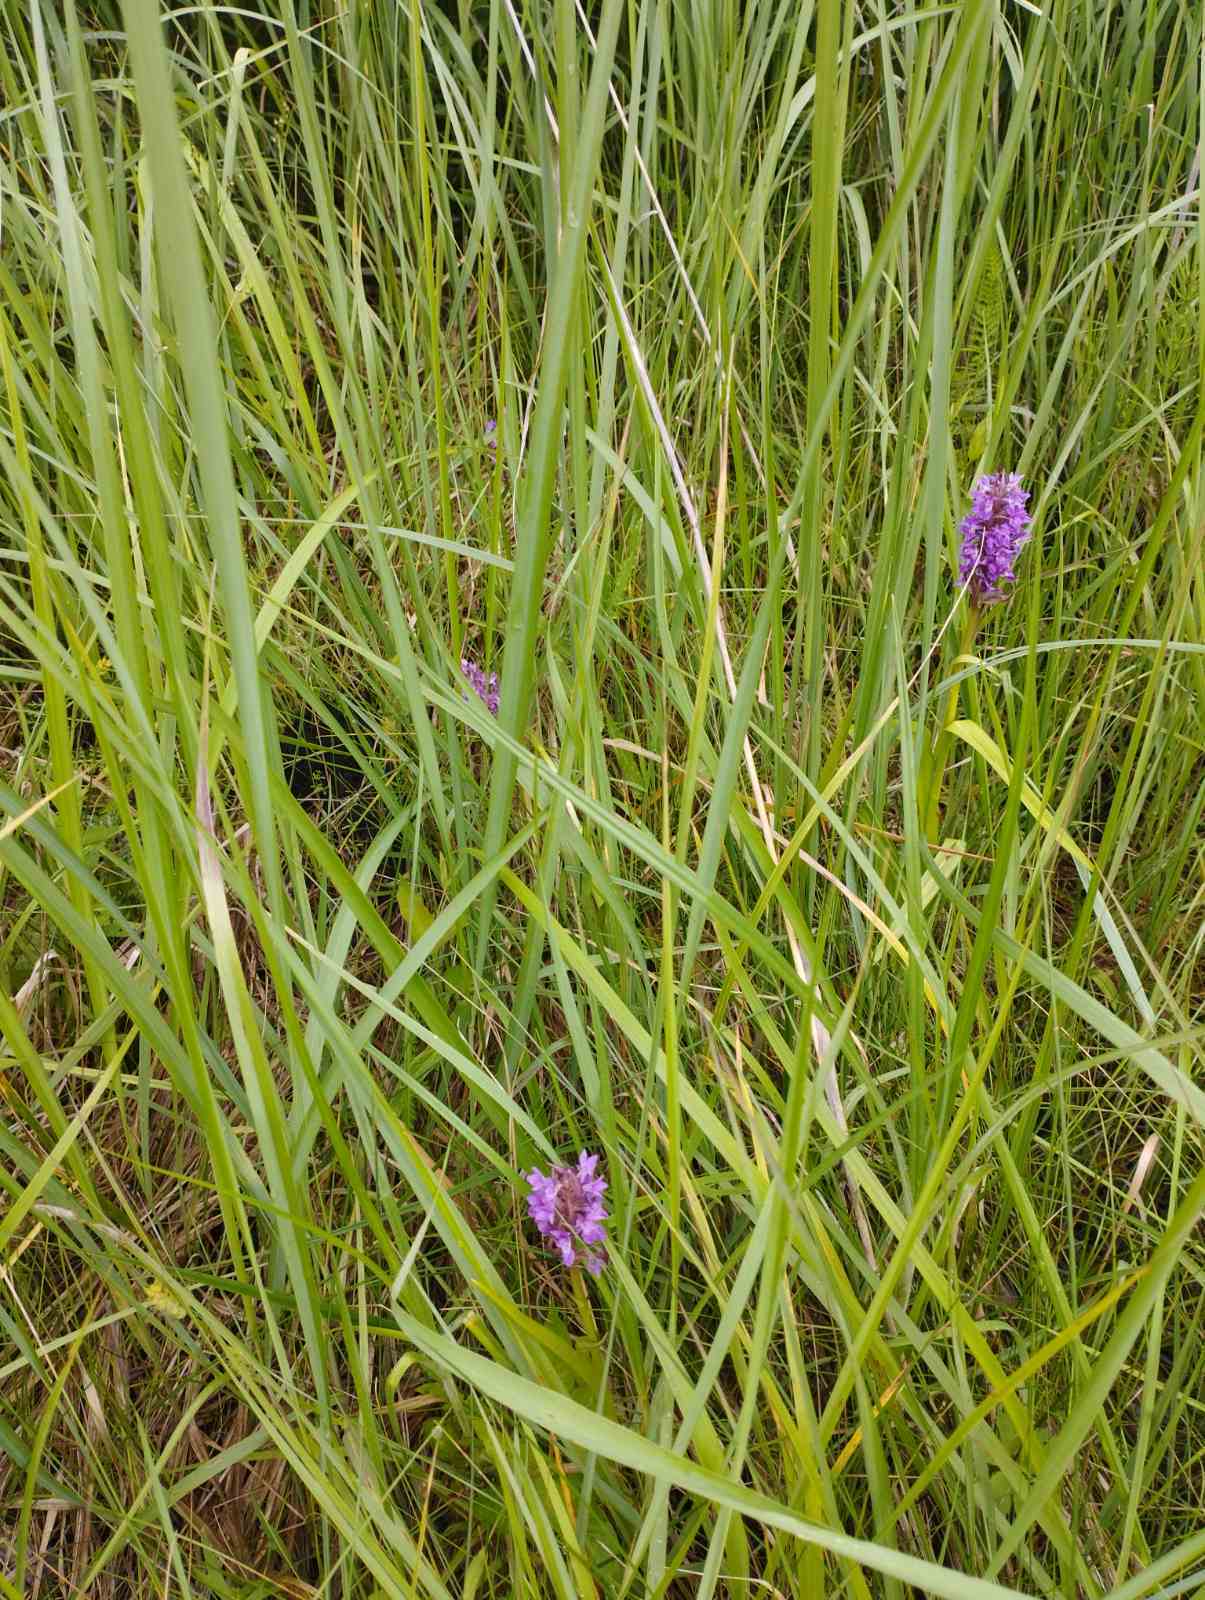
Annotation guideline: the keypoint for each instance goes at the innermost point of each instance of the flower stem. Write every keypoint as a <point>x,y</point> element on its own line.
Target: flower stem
<point>582,1301</point>
<point>941,750</point>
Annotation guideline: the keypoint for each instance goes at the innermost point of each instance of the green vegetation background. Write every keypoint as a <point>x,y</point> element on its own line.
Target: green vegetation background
<point>861,938</point>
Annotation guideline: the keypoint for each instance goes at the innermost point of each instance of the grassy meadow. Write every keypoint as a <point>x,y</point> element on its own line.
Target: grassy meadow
<point>645,355</point>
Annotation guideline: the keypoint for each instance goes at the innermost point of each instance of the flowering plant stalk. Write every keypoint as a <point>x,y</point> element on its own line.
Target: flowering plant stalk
<point>993,533</point>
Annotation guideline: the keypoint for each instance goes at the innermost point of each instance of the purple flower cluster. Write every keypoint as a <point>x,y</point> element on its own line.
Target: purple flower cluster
<point>567,1207</point>
<point>486,688</point>
<point>993,531</point>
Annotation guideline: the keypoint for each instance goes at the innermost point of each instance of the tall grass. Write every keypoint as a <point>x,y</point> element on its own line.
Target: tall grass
<point>893,1058</point>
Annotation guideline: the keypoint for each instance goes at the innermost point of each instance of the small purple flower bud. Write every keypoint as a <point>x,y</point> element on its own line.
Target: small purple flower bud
<point>485,688</point>
<point>567,1207</point>
<point>993,532</point>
